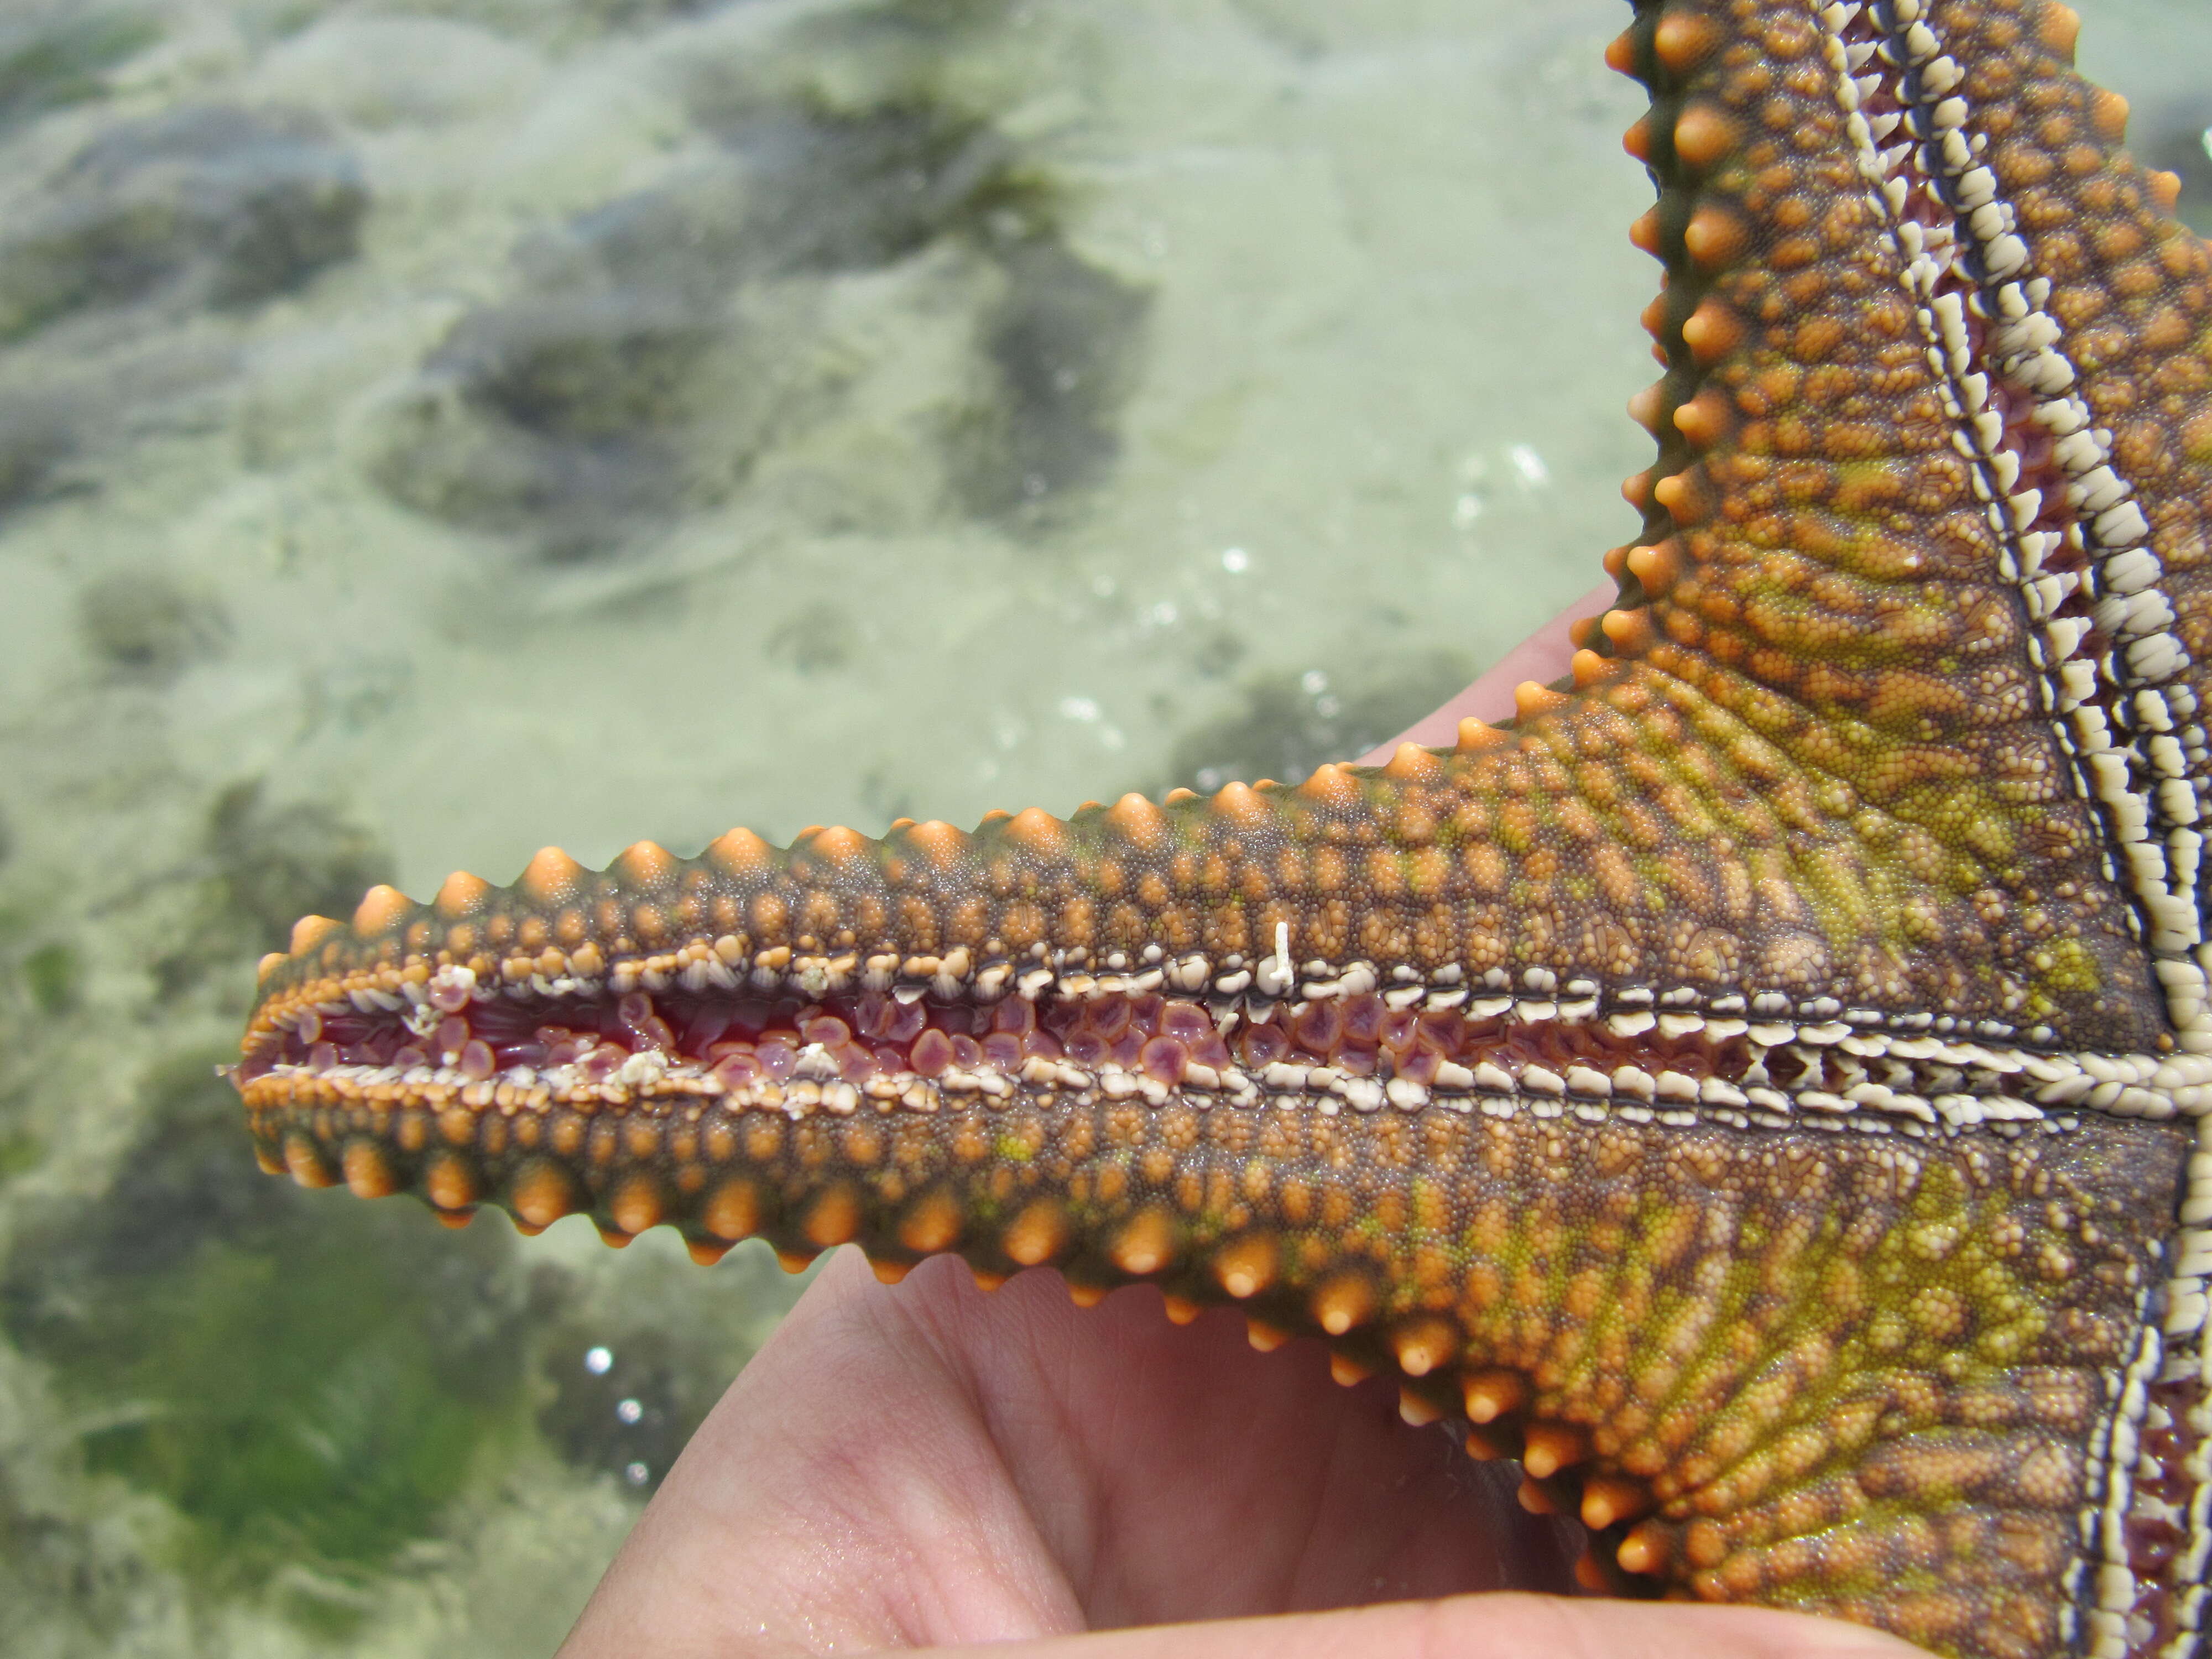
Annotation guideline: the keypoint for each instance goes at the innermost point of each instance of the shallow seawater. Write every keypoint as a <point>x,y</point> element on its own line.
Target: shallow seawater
<point>430,432</point>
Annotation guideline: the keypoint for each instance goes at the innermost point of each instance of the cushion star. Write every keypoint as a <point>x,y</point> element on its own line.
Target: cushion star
<point>1759,1087</point>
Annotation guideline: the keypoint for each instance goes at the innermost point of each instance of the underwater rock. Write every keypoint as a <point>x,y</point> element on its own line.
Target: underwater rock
<point>141,622</point>
<point>304,1388</point>
<point>1060,351</point>
<point>53,54</point>
<point>1290,725</point>
<point>211,206</point>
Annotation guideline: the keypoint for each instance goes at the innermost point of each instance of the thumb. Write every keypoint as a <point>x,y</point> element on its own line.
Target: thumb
<point>1499,1625</point>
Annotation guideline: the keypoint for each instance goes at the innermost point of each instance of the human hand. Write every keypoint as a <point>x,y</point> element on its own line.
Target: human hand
<point>934,1466</point>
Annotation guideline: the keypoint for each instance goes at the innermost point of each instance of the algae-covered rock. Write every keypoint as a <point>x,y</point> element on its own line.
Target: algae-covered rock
<point>306,1381</point>
<point>209,205</point>
<point>54,55</point>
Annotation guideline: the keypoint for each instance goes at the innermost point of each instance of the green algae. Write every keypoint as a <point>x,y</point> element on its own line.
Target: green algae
<point>306,1380</point>
<point>51,60</point>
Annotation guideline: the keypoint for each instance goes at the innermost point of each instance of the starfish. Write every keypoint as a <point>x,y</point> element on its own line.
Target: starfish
<point>1759,1087</point>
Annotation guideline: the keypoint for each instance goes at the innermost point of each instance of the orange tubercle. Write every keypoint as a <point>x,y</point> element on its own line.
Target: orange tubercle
<point>739,852</point>
<point>2108,113</point>
<point>1035,1235</point>
<point>381,908</point>
<point>833,1218</point>
<point>837,843</point>
<point>550,877</point>
<point>646,864</point>
<point>1706,418</point>
<point>1347,1372</point>
<point>1682,40</point>
<point>1550,1447</point>
<point>1713,238</point>
<point>1264,1337</point>
<point>1036,829</point>
<point>1703,136</point>
<point>1331,783</point>
<point>306,933</point>
<point>1138,818</point>
<point>1607,1502</point>
<point>1489,1395</point>
<point>1678,495</point>
<point>1410,763</point>
<point>635,1206</point>
<point>1240,803</point>
<point>461,895</point>
<point>1531,699</point>
<point>1644,1551</point>
<point>1342,1304</point>
<point>1654,567</point>
<point>1631,631</point>
<point>1644,233</point>
<point>2059,28</point>
<point>705,1251</point>
<point>941,843</point>
<point>305,1164</point>
<point>542,1196</point>
<point>449,1183</point>
<point>368,1172</point>
<point>1417,1410</point>
<point>1647,407</point>
<point>1712,331</point>
<point>1246,1267</point>
<point>1144,1245</point>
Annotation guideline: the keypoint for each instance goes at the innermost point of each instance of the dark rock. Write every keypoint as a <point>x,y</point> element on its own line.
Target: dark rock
<point>305,1377</point>
<point>1291,724</point>
<point>141,624</point>
<point>213,206</point>
<point>1060,347</point>
<point>52,56</point>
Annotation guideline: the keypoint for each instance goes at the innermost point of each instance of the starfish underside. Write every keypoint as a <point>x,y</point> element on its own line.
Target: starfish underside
<point>1758,1088</point>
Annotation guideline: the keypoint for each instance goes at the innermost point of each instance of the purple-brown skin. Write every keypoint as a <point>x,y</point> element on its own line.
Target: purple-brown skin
<point>1765,1090</point>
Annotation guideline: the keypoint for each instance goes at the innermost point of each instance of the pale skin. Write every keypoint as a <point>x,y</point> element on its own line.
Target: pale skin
<point>932,1465</point>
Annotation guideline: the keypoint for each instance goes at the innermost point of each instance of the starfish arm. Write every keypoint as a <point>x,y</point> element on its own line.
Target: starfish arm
<point>1753,1087</point>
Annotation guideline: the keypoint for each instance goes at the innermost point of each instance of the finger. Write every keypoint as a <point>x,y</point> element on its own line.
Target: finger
<point>930,1464</point>
<point>1544,656</point>
<point>1500,1626</point>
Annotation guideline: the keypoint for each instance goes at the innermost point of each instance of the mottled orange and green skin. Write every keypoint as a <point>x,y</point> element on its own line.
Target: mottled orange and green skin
<point>1806,753</point>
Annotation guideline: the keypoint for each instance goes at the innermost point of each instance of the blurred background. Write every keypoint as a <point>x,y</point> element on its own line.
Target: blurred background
<point>428,432</point>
